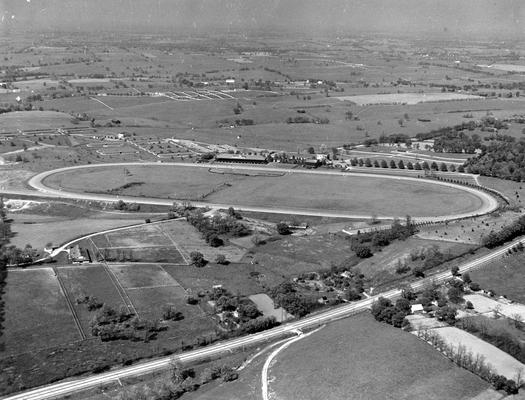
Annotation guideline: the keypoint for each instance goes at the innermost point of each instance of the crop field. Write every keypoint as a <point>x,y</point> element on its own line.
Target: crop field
<point>389,363</point>
<point>150,287</point>
<point>406,98</point>
<point>505,277</point>
<point>299,190</point>
<point>143,244</point>
<point>27,120</point>
<point>166,242</point>
<point>143,236</point>
<point>90,280</point>
<point>508,67</point>
<point>140,276</point>
<point>40,320</point>
<point>487,306</point>
<point>502,363</point>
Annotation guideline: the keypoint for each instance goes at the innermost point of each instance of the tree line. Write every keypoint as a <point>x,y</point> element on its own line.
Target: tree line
<point>505,234</point>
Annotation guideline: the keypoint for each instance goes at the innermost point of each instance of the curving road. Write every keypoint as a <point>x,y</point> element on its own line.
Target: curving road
<point>489,203</point>
<point>78,384</point>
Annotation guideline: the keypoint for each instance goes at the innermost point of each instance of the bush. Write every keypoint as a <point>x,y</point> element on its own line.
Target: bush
<point>419,272</point>
<point>221,259</point>
<point>197,259</point>
<point>282,228</point>
<point>169,312</point>
<point>214,240</point>
<point>363,251</point>
<point>474,286</point>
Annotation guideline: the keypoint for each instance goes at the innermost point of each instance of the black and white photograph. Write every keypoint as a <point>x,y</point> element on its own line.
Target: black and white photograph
<point>262,199</point>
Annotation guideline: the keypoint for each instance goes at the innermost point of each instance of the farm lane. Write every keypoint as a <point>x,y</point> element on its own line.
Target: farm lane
<point>489,203</point>
<point>71,386</point>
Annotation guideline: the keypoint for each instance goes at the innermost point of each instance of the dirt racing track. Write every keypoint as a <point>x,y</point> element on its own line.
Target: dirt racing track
<point>487,203</point>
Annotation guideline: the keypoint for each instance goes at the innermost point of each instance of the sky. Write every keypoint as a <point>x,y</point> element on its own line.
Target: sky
<point>457,17</point>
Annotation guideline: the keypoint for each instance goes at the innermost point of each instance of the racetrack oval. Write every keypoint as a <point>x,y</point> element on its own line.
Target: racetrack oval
<point>294,191</point>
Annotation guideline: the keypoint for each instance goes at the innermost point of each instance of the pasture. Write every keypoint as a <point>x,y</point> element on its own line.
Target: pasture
<point>170,241</point>
<point>389,363</point>
<point>29,120</point>
<point>90,280</point>
<point>469,231</point>
<point>352,194</point>
<point>504,277</point>
<point>39,320</point>
<point>30,229</point>
<point>149,288</point>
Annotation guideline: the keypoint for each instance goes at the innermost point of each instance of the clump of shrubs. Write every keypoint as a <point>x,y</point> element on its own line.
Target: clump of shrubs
<point>385,311</point>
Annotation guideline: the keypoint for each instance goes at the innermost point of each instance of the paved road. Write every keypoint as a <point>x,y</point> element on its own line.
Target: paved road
<point>489,203</point>
<point>75,385</point>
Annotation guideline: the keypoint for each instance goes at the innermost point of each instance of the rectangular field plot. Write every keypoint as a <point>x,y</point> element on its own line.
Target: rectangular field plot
<point>101,241</point>
<point>145,254</point>
<point>144,236</point>
<point>503,363</point>
<point>188,239</point>
<point>234,277</point>
<point>89,281</point>
<point>407,98</point>
<point>504,276</point>
<point>143,276</point>
<point>36,312</point>
<point>149,301</point>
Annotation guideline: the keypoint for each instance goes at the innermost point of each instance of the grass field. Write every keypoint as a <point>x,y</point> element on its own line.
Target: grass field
<point>504,276</point>
<point>469,231</point>
<point>389,363</point>
<point>298,190</point>
<point>39,320</point>
<point>233,277</point>
<point>150,287</point>
<point>188,239</point>
<point>168,242</point>
<point>91,280</point>
<point>28,229</point>
<point>26,120</point>
<point>515,191</point>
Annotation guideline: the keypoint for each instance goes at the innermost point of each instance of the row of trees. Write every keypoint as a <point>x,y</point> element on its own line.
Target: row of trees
<point>474,363</point>
<point>5,234</point>
<point>505,234</point>
<point>400,164</point>
<point>502,339</point>
<point>364,242</point>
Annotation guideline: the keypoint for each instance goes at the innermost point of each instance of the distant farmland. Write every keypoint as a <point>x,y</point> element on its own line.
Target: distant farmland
<point>407,98</point>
